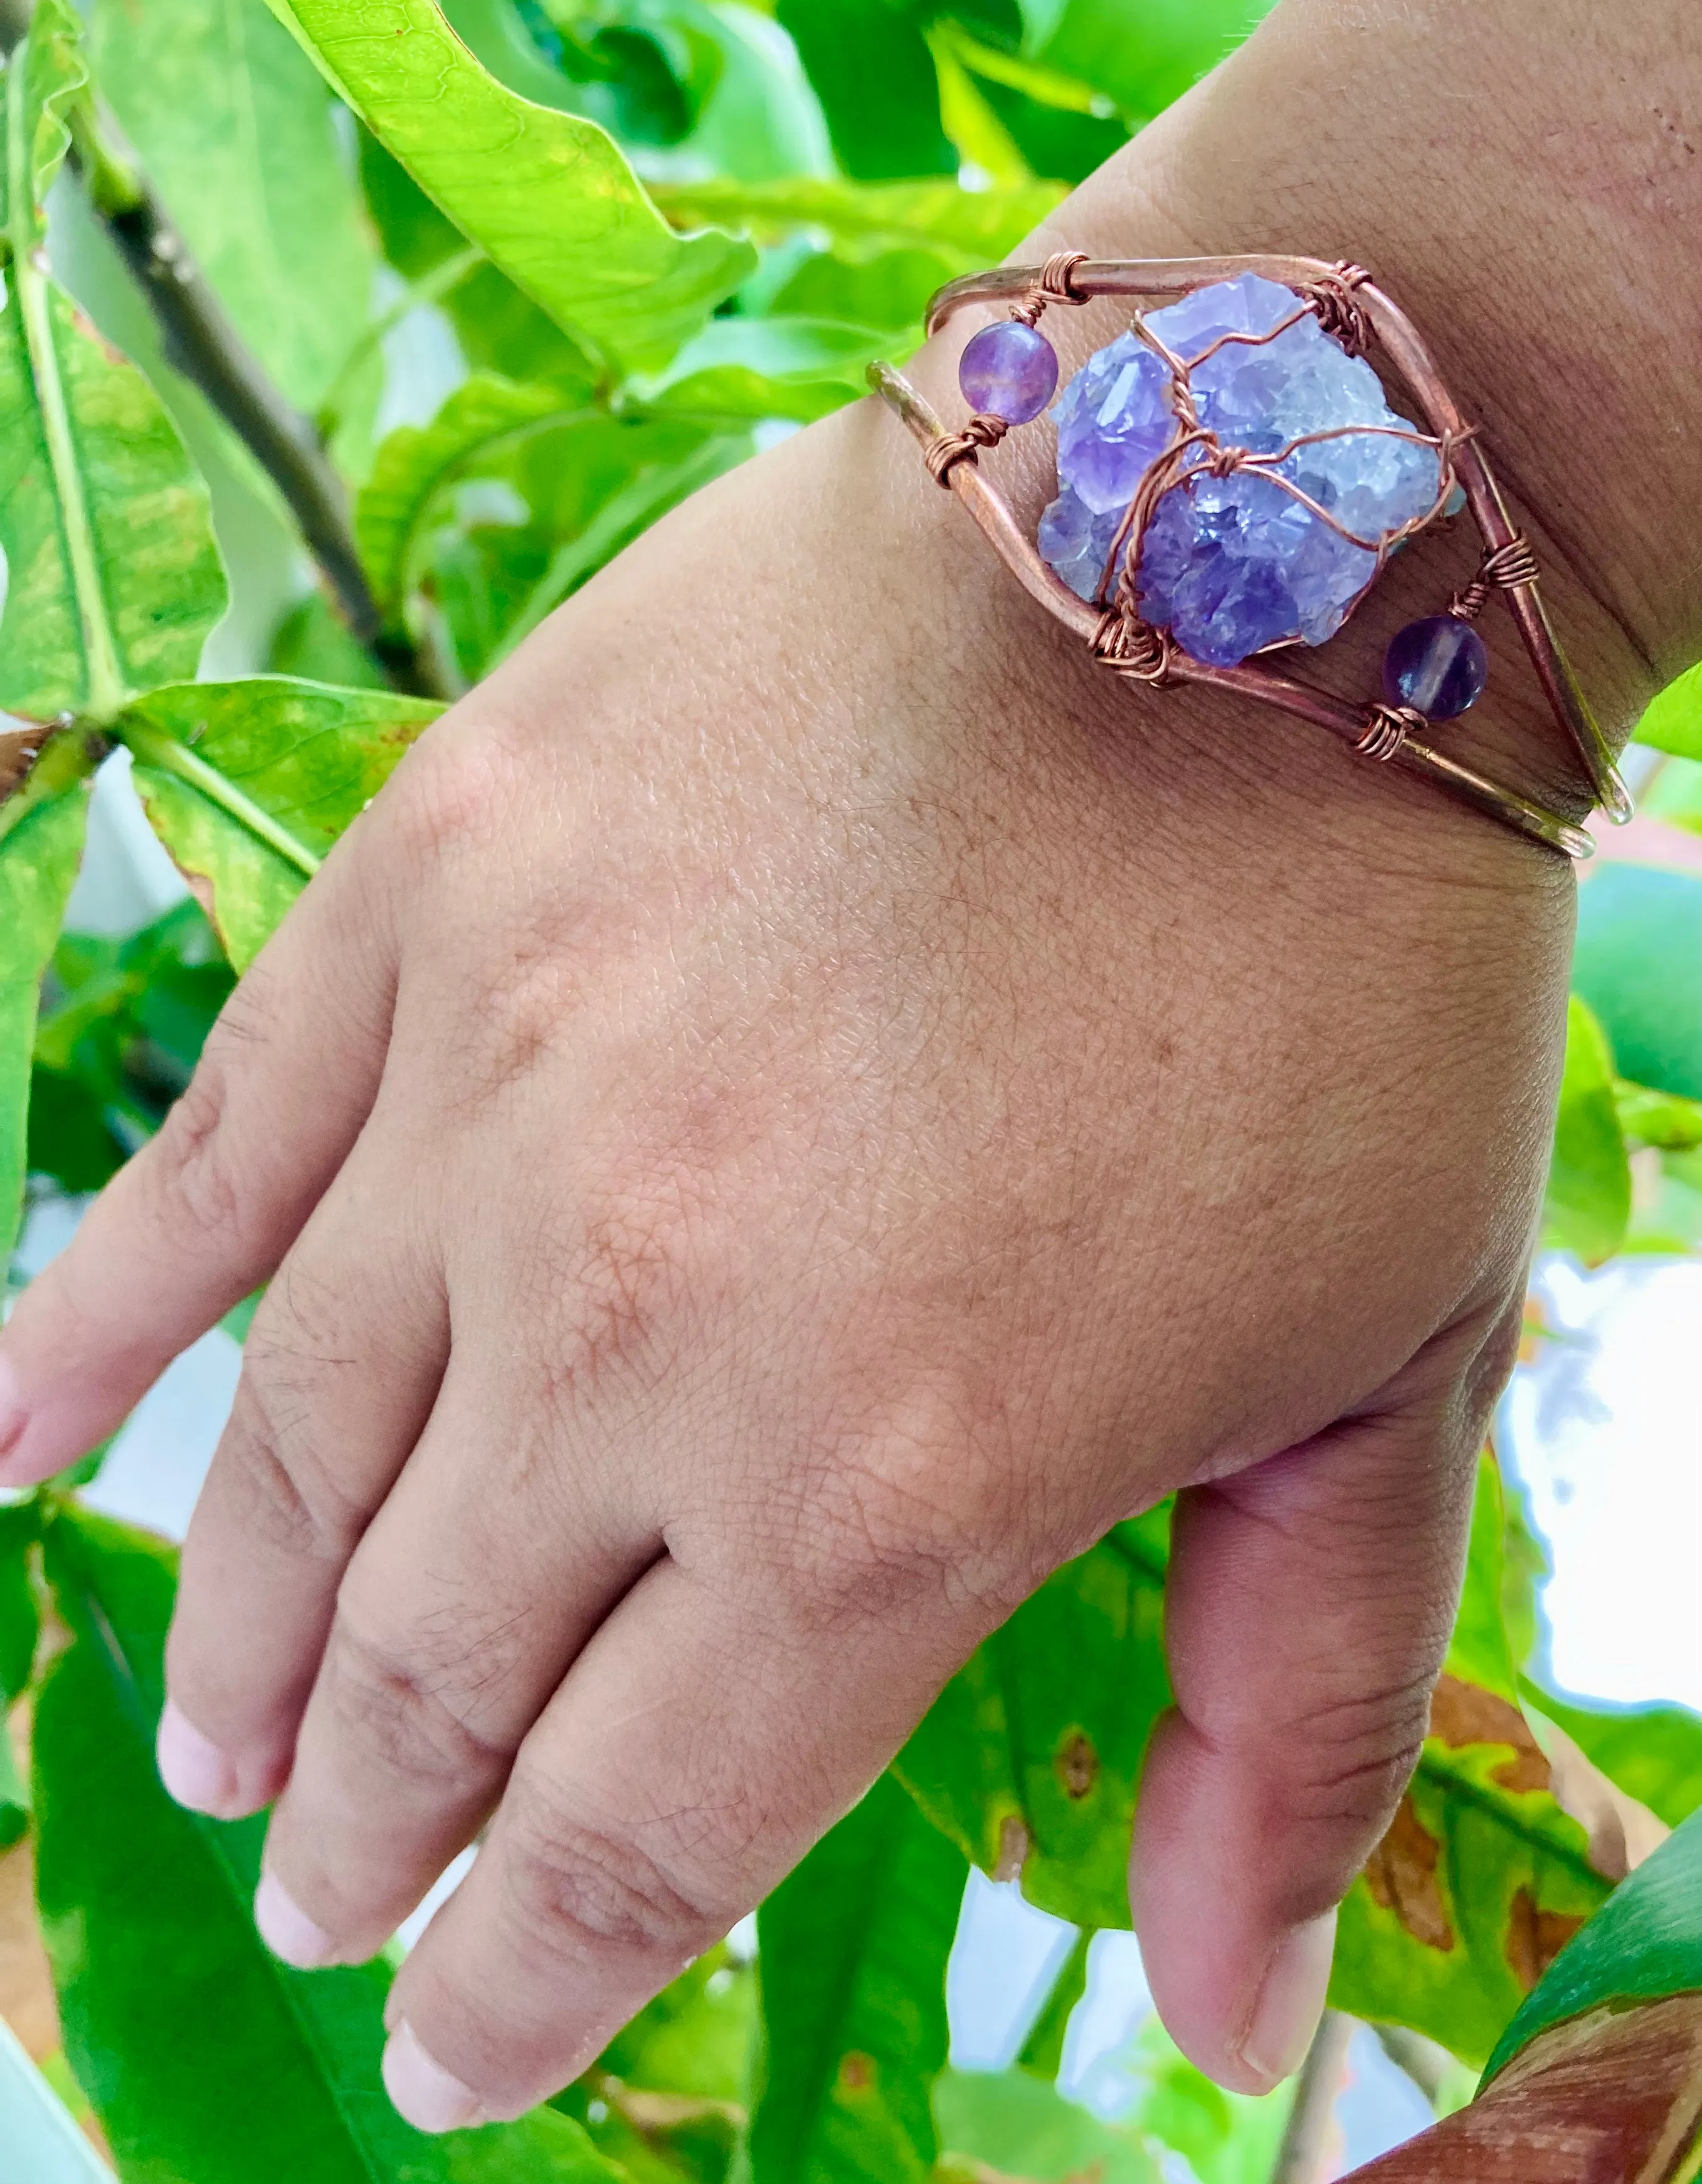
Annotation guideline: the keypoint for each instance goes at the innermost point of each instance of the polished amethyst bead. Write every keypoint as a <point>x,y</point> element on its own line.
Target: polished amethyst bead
<point>1438,666</point>
<point>1008,370</point>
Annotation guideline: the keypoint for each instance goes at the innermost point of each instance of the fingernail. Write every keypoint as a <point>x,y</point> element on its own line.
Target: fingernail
<point>1291,2002</point>
<point>192,1768</point>
<point>286,1929</point>
<point>14,1417</point>
<point>423,2092</point>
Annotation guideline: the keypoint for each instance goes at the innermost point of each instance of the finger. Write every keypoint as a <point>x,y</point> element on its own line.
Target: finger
<point>1308,1608</point>
<point>339,1372</point>
<point>206,1210</point>
<point>703,1741</point>
<point>481,1577</point>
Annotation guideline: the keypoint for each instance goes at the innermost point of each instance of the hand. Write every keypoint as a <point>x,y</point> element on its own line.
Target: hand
<point>799,1106</point>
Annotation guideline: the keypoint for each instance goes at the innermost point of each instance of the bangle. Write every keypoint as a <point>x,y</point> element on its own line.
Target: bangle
<point>1232,482</point>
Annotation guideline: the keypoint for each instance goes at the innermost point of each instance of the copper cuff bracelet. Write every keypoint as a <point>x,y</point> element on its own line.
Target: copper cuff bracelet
<point>1166,436</point>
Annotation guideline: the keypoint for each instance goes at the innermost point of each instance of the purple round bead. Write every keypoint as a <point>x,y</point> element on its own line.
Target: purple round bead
<point>1009,370</point>
<point>1438,666</point>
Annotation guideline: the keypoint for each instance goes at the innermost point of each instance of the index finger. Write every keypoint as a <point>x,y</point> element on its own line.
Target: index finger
<point>207,1209</point>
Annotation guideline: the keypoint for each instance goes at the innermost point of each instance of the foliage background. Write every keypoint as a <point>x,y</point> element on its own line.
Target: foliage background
<point>415,397</point>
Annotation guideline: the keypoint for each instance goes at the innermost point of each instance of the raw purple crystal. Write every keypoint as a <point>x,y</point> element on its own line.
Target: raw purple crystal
<point>1010,369</point>
<point>1232,564</point>
<point>1438,664</point>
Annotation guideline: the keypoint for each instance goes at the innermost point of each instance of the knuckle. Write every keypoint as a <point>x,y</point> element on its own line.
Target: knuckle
<point>579,1887</point>
<point>193,1176</point>
<point>1347,1757</point>
<point>916,1519</point>
<point>400,1701</point>
<point>450,791</point>
<point>290,1498</point>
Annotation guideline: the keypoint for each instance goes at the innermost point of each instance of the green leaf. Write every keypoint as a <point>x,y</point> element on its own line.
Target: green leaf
<point>1028,1759</point>
<point>870,66</point>
<point>1043,2051</point>
<point>652,488</point>
<point>21,1621</point>
<point>46,75</point>
<point>1638,965</point>
<point>1225,2138</point>
<point>975,226</point>
<point>249,783</point>
<point>1653,1753</point>
<point>739,369</point>
<point>1661,1119</point>
<point>234,127</point>
<point>415,463</point>
<point>499,328</point>
<point>205,2059</point>
<point>122,1026</point>
<point>1483,1877</point>
<point>112,577</point>
<point>665,2098</point>
<point>1673,721</point>
<point>852,1962</point>
<point>21,1628</point>
<point>1019,2126</point>
<point>889,290</point>
<point>1675,794</point>
<point>314,645</point>
<point>1144,53</point>
<point>40,850</point>
<point>43,2144</point>
<point>560,211</point>
<point>1588,1201</point>
<point>1645,1942</point>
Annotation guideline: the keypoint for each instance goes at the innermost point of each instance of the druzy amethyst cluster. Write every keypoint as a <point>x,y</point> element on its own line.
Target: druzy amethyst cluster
<point>1231,564</point>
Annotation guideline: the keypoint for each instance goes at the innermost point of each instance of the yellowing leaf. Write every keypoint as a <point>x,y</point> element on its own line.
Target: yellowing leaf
<point>249,783</point>
<point>113,579</point>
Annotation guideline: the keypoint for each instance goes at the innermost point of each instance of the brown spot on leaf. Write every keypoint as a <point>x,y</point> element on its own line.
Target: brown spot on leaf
<point>1014,1843</point>
<point>1535,1937</point>
<point>856,2072</point>
<point>1462,1714</point>
<point>1078,1766</point>
<point>19,748</point>
<point>1401,1875</point>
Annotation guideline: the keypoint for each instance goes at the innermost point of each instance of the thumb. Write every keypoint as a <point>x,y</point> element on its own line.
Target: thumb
<point>1307,1610</point>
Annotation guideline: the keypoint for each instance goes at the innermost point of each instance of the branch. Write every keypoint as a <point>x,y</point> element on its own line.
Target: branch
<point>1306,2147</point>
<point>200,342</point>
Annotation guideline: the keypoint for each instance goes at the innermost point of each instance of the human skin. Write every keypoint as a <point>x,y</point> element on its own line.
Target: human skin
<point>804,1102</point>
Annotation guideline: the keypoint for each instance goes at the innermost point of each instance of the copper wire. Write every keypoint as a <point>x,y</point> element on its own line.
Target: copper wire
<point>1387,729</point>
<point>984,429</point>
<point>1053,285</point>
<point>1350,306</point>
<point>1508,567</point>
<point>1129,646</point>
<point>1331,297</point>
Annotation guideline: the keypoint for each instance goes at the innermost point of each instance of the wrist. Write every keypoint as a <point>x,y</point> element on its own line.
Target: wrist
<point>1536,350</point>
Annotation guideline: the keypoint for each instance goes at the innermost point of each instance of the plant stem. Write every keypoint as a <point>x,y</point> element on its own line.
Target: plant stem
<point>199,340</point>
<point>155,749</point>
<point>201,343</point>
<point>1305,2145</point>
<point>1428,2066</point>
